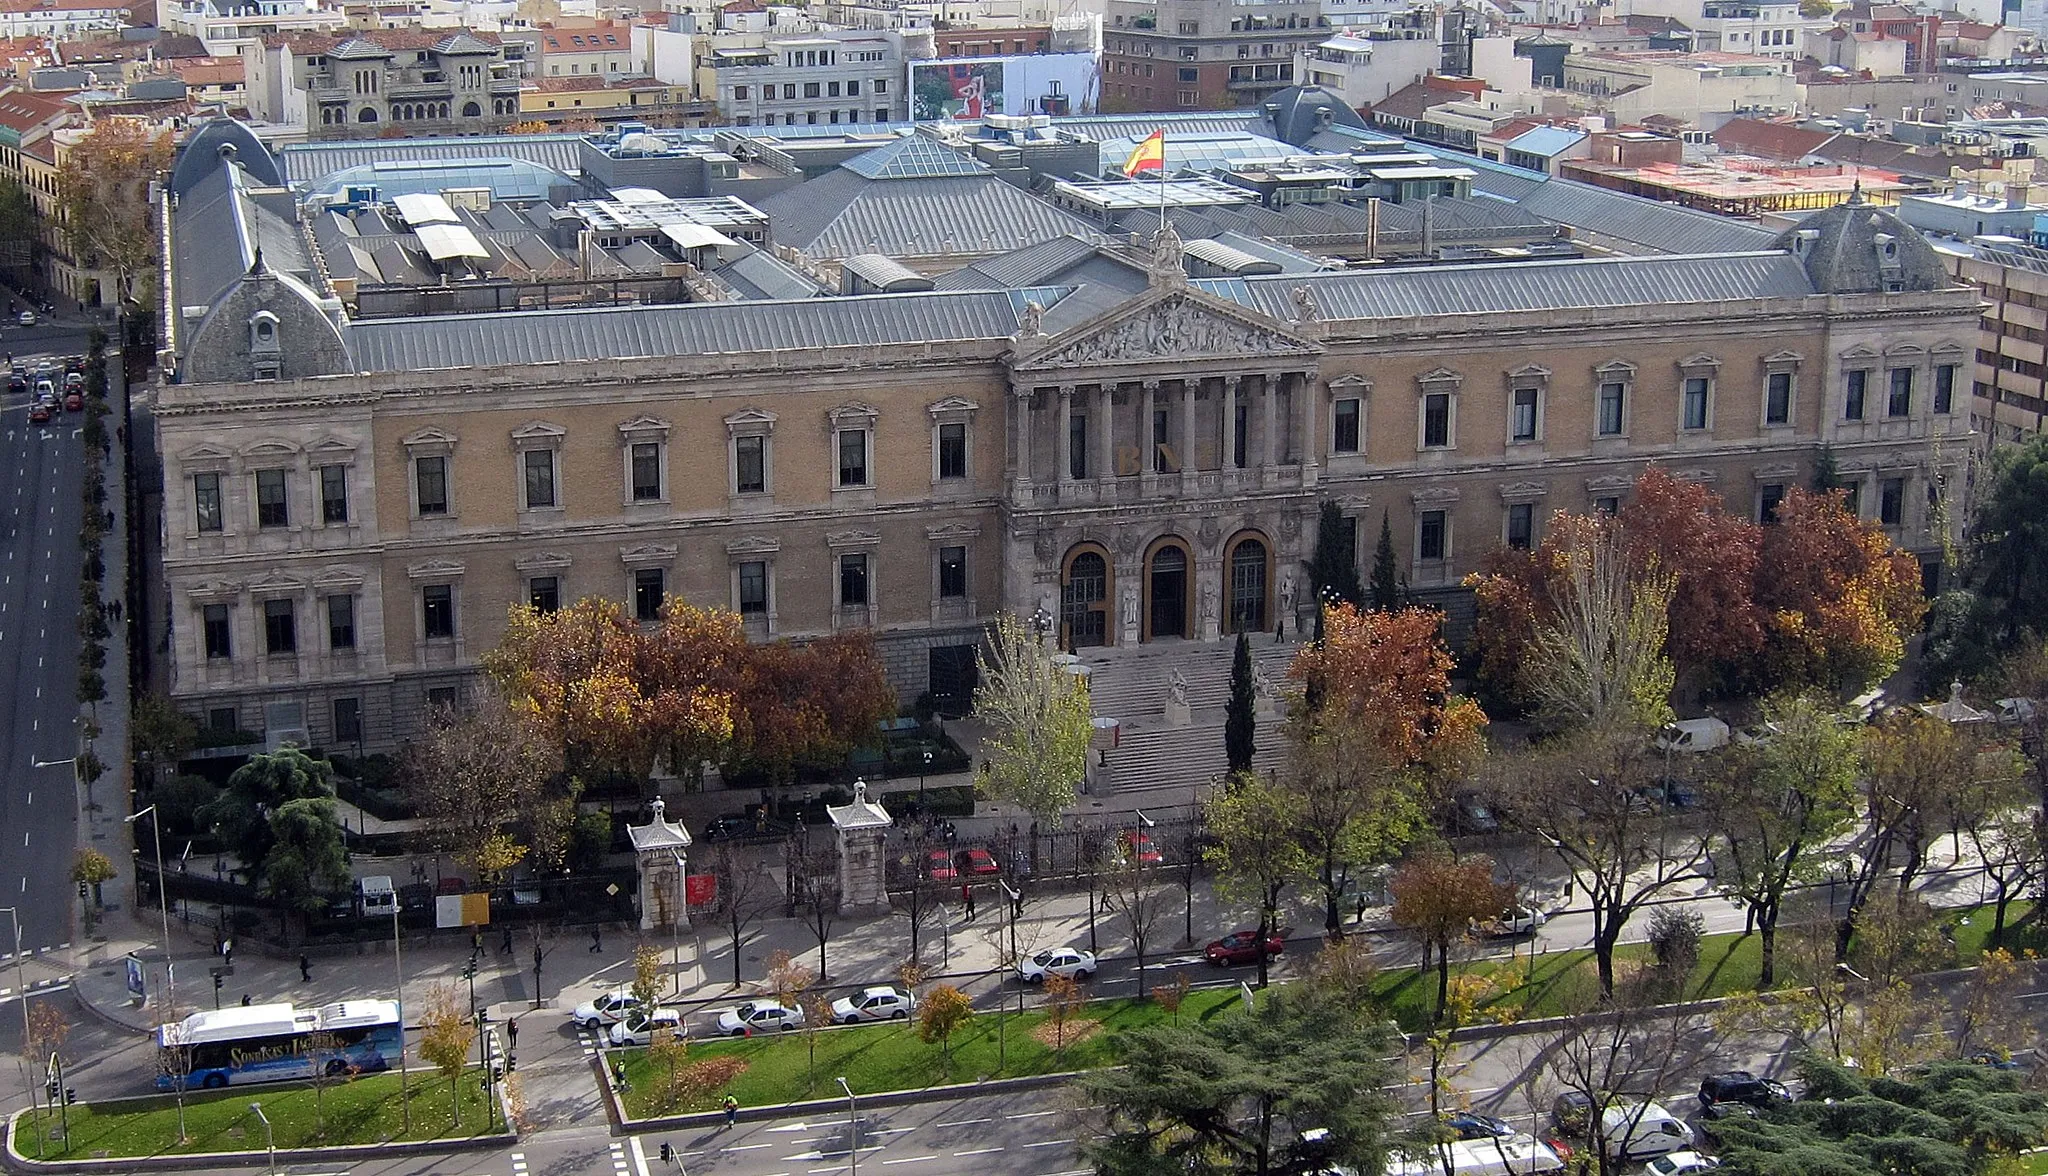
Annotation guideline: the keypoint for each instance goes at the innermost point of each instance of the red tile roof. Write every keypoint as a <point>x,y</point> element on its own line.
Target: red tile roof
<point>1780,141</point>
<point>395,39</point>
<point>22,112</point>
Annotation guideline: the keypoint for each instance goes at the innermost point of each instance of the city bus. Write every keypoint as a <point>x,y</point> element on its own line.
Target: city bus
<point>275,1043</point>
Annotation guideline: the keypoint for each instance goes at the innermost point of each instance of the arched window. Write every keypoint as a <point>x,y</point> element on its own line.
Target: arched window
<point>472,110</point>
<point>366,115</point>
<point>1247,570</point>
<point>1084,600</point>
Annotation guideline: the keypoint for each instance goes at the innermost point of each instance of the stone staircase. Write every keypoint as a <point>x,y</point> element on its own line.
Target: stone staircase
<point>1131,685</point>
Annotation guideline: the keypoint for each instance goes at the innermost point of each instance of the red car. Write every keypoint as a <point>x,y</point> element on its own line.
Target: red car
<point>938,866</point>
<point>74,402</point>
<point>1243,946</point>
<point>977,861</point>
<point>39,413</point>
<point>1139,843</point>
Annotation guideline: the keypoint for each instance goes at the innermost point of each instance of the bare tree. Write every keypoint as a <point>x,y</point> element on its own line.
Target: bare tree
<point>921,894</point>
<point>814,872</point>
<point>1622,1053</point>
<point>745,893</point>
<point>1133,890</point>
<point>1917,773</point>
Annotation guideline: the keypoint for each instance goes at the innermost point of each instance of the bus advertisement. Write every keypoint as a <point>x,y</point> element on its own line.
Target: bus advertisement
<point>278,1043</point>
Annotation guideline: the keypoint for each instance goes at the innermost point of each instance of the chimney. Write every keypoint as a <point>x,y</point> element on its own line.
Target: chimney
<point>2016,195</point>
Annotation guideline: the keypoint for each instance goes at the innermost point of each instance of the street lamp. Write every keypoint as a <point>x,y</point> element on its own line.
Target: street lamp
<point>21,987</point>
<point>269,1134</point>
<point>163,907</point>
<point>852,1130</point>
<point>921,772</point>
<point>398,968</point>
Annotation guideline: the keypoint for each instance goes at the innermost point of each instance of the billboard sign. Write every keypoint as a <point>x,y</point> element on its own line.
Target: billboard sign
<point>965,90</point>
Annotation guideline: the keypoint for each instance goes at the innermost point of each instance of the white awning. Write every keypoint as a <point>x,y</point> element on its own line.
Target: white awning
<point>694,236</point>
<point>443,242</point>
<point>424,208</point>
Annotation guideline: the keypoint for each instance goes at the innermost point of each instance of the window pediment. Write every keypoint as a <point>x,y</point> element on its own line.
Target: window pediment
<point>641,555</point>
<point>428,441</point>
<point>1777,473</point>
<point>750,422</point>
<point>840,539</point>
<point>336,579</point>
<point>435,569</point>
<point>952,532</point>
<point>542,561</point>
<point>952,409</point>
<point>854,415</point>
<point>1697,477</point>
<point>1611,484</point>
<point>538,435</point>
<point>214,590</point>
<point>1529,373</point>
<point>276,584</point>
<point>1699,365</point>
<point>261,450</point>
<point>1512,492</point>
<point>1615,369</point>
<point>1438,380</point>
<point>645,428</point>
<point>1351,385</point>
<point>1432,496</point>
<point>753,545</point>
<point>1859,352</point>
<point>333,447</point>
<point>1783,361</point>
<point>206,455</point>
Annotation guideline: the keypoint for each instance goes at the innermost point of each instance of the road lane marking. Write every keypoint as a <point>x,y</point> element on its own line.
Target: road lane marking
<point>979,1151</point>
<point>972,1122</point>
<point>1049,1143</point>
<point>909,1160</point>
<point>1031,1114</point>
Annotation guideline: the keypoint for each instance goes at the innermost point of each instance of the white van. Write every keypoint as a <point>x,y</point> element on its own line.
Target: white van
<point>1686,735</point>
<point>1642,1131</point>
<point>1506,1155</point>
<point>376,897</point>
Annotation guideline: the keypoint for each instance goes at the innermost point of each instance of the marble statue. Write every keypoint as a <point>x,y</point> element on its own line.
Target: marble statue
<point>1208,602</point>
<point>1130,613</point>
<point>1287,591</point>
<point>1177,689</point>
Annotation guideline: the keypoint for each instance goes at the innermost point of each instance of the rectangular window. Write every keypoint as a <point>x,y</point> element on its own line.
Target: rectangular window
<point>540,478</point>
<point>952,573</point>
<point>223,718</point>
<point>219,642</point>
<point>953,451</point>
<point>544,593</point>
<point>810,89</point>
<point>1852,498</point>
<point>1436,420</point>
<point>649,590</point>
<point>853,90</point>
<point>348,720</point>
<point>1900,402</point>
<point>1612,402</point>
<point>1607,504</point>
<point>1858,382</point>
<point>1767,501</point>
<point>270,499</point>
<point>754,588</point>
<point>1077,446</point>
<point>1695,403</point>
<point>739,93</point>
<point>1430,535</point>
<point>280,627</point>
<point>750,465</point>
<point>440,699</point>
<point>1344,432</point>
<point>646,472</point>
<point>437,611</point>
<point>1944,388</point>
<point>333,494</point>
<point>341,622</point>
<point>430,477</point>
<point>1523,426</point>
<point>853,457</point>
<point>1521,525</point>
<point>206,502</point>
<point>1162,428</point>
<point>853,580</point>
<point>1891,501</point>
<point>1240,433</point>
<point>1778,398</point>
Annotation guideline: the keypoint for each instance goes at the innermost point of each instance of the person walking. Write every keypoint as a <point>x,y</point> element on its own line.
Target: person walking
<point>596,940</point>
<point>512,1032</point>
<point>305,968</point>
<point>505,944</point>
<point>967,896</point>
<point>732,1110</point>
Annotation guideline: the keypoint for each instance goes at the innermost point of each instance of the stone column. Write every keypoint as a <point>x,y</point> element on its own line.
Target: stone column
<point>1147,443</point>
<point>1022,402</point>
<point>1066,457</point>
<point>861,826</point>
<point>1311,411</point>
<point>1269,407</point>
<point>1228,446</point>
<point>1102,435</point>
<point>1187,436</point>
<point>661,849</point>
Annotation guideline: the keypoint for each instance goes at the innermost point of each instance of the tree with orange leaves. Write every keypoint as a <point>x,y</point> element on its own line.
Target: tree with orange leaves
<point>103,199</point>
<point>689,667</point>
<point>1383,737</point>
<point>810,705</point>
<point>1839,600</point>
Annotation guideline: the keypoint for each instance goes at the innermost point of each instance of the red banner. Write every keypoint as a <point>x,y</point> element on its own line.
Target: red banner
<point>701,890</point>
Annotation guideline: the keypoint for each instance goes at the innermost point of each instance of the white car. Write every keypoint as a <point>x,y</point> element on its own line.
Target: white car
<point>881,1003</point>
<point>1516,920</point>
<point>759,1016</point>
<point>1071,962</point>
<point>27,319</point>
<point>607,1009</point>
<point>1682,1163</point>
<point>639,1026</point>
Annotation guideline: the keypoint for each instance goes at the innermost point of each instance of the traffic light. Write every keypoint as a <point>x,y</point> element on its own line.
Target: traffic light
<point>668,1154</point>
<point>469,970</point>
<point>497,1073</point>
<point>83,892</point>
<point>511,1063</point>
<point>70,1095</point>
<point>50,1088</point>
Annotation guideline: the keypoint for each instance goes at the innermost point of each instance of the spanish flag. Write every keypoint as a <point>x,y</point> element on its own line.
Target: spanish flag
<point>1150,155</point>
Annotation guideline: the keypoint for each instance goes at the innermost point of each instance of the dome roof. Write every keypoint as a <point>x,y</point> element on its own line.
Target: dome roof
<point>224,138</point>
<point>1858,248</point>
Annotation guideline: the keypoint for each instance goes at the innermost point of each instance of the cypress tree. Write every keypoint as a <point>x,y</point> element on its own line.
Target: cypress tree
<point>1386,574</point>
<point>1240,717</point>
<point>1334,563</point>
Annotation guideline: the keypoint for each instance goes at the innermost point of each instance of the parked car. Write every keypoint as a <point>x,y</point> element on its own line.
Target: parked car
<point>977,862</point>
<point>1470,814</point>
<point>1473,1125</point>
<point>639,1026</point>
<point>1516,920</point>
<point>27,318</point>
<point>1741,1086</point>
<point>938,866</point>
<point>759,1016</point>
<point>73,402</point>
<point>608,1008</point>
<point>1071,962</point>
<point>1681,1163</point>
<point>452,885</point>
<point>1633,1132</point>
<point>880,1003</point>
<point>1568,1112</point>
<point>1135,844</point>
<point>1243,946</point>
<point>1995,1059</point>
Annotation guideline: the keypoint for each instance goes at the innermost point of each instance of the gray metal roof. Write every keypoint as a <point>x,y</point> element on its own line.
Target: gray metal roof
<point>1648,223</point>
<point>914,157</point>
<point>757,274</point>
<point>308,163</point>
<point>219,224</point>
<point>1576,284</point>
<point>842,213</point>
<point>437,342</point>
<point>1029,266</point>
<point>1120,126</point>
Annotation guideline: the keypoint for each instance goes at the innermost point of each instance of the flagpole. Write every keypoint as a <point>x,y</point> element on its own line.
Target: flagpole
<point>1162,180</point>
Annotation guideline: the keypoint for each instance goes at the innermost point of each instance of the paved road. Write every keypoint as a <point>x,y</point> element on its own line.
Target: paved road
<point>39,562</point>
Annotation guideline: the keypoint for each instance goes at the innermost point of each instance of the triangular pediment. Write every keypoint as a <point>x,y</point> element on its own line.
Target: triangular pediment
<point>1178,325</point>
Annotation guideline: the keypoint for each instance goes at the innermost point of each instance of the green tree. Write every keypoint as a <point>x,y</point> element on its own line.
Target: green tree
<point>446,1035</point>
<point>2007,564</point>
<point>941,1013</point>
<point>1598,662</point>
<point>1240,716</point>
<point>1256,848</point>
<point>161,732</point>
<point>1825,475</point>
<point>1224,1096</point>
<point>1775,804</point>
<point>1386,571</point>
<point>306,863</point>
<point>476,773</point>
<point>1333,565</point>
<point>262,786</point>
<point>1038,719</point>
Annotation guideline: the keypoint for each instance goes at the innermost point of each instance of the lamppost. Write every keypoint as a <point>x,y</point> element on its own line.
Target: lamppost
<point>163,907</point>
<point>1041,622</point>
<point>398,968</point>
<point>269,1134</point>
<point>1016,898</point>
<point>21,987</point>
<point>921,773</point>
<point>852,1130</point>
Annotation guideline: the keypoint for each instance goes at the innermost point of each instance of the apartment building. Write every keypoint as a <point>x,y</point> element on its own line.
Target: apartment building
<point>227,28</point>
<point>363,84</point>
<point>809,80</point>
<point>1204,54</point>
<point>65,20</point>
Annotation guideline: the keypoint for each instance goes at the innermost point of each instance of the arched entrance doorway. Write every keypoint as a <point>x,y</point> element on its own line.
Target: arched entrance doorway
<point>1084,598</point>
<point>1248,568</point>
<point>1166,591</point>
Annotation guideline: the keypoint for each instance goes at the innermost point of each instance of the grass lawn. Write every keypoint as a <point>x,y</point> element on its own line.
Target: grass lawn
<point>2036,1164</point>
<point>365,1111</point>
<point>890,1056</point>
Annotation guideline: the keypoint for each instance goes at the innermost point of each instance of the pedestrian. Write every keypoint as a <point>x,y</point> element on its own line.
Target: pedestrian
<point>1360,917</point>
<point>476,945</point>
<point>245,1000</point>
<point>305,968</point>
<point>505,945</point>
<point>596,940</point>
<point>512,1032</point>
<point>732,1110</point>
<point>967,896</point>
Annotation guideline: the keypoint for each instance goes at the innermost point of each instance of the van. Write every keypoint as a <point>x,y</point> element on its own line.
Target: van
<point>1688,735</point>
<point>376,897</point>
<point>1506,1155</point>
<point>1633,1132</point>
